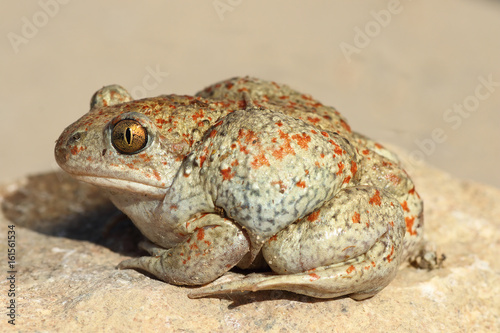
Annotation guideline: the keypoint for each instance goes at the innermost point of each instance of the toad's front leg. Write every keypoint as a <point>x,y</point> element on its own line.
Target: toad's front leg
<point>214,247</point>
<point>351,246</point>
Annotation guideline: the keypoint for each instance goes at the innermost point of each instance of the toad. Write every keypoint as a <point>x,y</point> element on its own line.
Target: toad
<point>248,173</point>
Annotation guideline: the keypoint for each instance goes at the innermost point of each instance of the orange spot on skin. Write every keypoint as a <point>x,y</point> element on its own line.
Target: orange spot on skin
<point>365,152</point>
<point>198,115</point>
<point>409,225</point>
<point>313,216</point>
<point>345,126</point>
<point>389,259</point>
<point>350,269</point>
<point>145,157</point>
<point>260,160</point>
<point>200,234</point>
<point>412,191</point>
<point>356,218</point>
<point>174,207</point>
<point>347,180</point>
<point>75,149</point>
<point>226,174</point>
<point>247,136</point>
<point>244,150</point>
<point>375,200</point>
<point>379,146</point>
<point>132,166</point>
<point>204,156</point>
<point>279,124</point>
<point>161,122</point>
<point>157,175</point>
<point>393,178</point>
<point>273,238</point>
<point>405,206</point>
<point>313,121</point>
<point>202,160</point>
<point>313,276</point>
<point>354,168</point>
<point>325,134</point>
<point>282,151</point>
<point>341,168</point>
<point>314,132</point>
<point>302,140</point>
<point>285,148</point>
<point>301,184</point>
<point>242,104</point>
<point>337,149</point>
<point>213,133</point>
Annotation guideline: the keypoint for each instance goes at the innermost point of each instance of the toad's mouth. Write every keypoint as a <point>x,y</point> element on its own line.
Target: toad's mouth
<point>117,184</point>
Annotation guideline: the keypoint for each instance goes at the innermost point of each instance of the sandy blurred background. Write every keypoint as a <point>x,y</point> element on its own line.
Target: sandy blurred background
<point>424,75</point>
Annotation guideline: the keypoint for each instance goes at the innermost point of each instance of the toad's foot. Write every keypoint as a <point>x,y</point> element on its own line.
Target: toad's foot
<point>215,246</point>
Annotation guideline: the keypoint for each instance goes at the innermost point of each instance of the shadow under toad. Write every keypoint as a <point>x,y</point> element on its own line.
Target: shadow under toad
<point>57,205</point>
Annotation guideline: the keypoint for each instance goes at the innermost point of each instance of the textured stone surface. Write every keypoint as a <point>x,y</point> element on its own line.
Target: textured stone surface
<point>69,240</point>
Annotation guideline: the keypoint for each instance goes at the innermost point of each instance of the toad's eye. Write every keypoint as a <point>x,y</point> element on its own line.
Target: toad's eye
<point>129,136</point>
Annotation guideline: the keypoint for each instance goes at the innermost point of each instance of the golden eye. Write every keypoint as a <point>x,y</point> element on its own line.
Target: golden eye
<point>129,136</point>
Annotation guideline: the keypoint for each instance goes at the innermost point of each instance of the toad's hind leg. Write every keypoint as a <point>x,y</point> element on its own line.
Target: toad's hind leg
<point>351,246</point>
<point>214,246</point>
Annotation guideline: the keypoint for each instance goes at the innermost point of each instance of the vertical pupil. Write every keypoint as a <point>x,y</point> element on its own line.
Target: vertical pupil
<point>128,136</point>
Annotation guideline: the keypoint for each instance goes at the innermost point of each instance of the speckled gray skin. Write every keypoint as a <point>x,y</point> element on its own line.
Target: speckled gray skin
<point>249,167</point>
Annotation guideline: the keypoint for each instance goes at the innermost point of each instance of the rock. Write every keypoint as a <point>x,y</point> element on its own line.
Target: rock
<point>69,239</point>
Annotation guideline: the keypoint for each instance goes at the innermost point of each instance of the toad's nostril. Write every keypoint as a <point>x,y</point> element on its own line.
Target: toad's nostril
<point>75,138</point>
